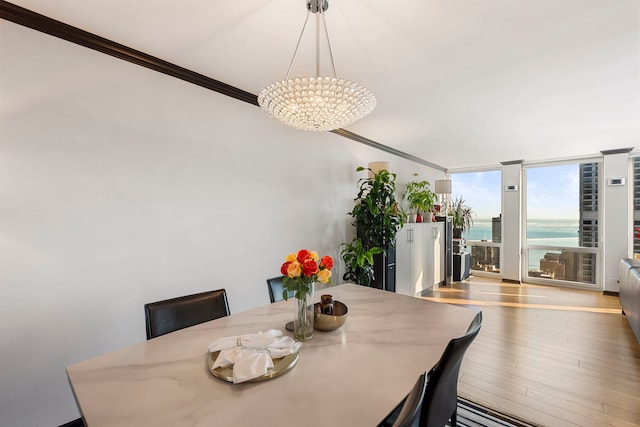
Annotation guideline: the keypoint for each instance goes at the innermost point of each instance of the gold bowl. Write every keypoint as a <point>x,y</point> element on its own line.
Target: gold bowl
<point>329,322</point>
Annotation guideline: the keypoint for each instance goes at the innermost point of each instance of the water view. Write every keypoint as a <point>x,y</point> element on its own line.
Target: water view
<point>554,232</point>
<point>544,232</point>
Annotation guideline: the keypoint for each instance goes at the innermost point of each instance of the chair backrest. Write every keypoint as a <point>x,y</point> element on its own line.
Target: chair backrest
<point>275,289</point>
<point>441,397</point>
<point>410,412</point>
<point>173,314</point>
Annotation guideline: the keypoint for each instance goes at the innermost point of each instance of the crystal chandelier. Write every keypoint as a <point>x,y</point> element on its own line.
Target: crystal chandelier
<point>316,103</point>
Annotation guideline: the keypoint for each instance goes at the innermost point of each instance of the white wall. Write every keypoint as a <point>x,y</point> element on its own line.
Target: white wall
<point>120,186</point>
<point>511,223</point>
<point>617,218</point>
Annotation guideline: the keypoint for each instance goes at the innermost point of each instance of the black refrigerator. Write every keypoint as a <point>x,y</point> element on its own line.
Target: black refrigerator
<point>384,270</point>
<point>448,247</point>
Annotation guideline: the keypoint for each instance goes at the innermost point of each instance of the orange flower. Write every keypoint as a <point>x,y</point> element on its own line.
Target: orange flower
<point>284,269</point>
<point>309,267</point>
<point>301,269</point>
<point>326,262</point>
<point>303,254</point>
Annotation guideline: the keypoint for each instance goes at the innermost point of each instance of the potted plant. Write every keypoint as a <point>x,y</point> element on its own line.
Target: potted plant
<point>358,262</point>
<point>376,214</point>
<point>377,218</point>
<point>461,217</point>
<point>420,197</point>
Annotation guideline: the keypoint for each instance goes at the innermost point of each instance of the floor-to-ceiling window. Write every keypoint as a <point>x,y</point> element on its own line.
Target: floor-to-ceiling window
<point>561,224</point>
<point>481,192</point>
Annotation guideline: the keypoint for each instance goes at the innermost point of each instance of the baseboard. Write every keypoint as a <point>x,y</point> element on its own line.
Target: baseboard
<point>611,293</point>
<point>517,282</point>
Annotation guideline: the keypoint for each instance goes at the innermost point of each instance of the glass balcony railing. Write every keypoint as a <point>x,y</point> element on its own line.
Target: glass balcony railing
<point>577,265</point>
<point>485,256</point>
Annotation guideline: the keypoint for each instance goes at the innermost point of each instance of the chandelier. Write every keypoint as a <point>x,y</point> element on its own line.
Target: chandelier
<point>319,103</point>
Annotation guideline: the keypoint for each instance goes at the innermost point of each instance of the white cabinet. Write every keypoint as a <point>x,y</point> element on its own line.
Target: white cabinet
<point>419,257</point>
<point>409,253</point>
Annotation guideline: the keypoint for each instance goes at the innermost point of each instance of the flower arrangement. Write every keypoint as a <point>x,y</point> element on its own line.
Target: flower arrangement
<point>302,269</point>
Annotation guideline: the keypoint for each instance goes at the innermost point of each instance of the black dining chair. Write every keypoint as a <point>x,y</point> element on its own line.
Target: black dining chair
<point>275,289</point>
<point>440,400</point>
<point>75,423</point>
<point>170,315</point>
<point>409,415</point>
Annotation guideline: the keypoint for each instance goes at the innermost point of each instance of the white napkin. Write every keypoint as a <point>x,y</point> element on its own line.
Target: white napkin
<point>251,355</point>
<point>251,364</point>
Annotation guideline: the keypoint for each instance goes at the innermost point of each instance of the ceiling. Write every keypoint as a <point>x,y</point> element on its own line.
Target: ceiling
<point>459,83</point>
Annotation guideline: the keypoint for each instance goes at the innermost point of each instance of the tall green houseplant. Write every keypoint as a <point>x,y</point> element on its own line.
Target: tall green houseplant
<point>377,218</point>
<point>461,216</point>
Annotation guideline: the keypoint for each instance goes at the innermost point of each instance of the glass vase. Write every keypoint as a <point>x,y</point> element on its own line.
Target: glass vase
<point>303,320</point>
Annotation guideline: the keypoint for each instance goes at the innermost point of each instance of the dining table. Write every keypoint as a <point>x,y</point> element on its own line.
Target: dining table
<point>351,376</point>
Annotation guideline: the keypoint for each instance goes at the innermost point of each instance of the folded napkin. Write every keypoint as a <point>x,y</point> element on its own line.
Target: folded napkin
<point>251,355</point>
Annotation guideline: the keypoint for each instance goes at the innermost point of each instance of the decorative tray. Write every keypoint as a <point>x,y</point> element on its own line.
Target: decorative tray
<point>280,366</point>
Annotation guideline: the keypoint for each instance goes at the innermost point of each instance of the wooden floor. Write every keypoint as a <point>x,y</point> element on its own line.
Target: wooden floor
<point>550,356</point>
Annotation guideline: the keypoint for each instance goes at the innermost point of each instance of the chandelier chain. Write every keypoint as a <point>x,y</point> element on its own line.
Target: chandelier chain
<point>295,52</point>
<point>319,17</point>
<point>318,44</point>
<point>326,33</point>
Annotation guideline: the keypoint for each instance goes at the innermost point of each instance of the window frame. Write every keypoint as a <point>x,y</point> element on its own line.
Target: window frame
<point>526,247</point>
<point>480,243</point>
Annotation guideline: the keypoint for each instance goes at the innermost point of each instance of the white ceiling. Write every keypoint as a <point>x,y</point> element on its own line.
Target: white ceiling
<point>459,83</point>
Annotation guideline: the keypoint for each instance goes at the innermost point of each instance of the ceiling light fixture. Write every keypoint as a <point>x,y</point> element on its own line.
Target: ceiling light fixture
<point>316,103</point>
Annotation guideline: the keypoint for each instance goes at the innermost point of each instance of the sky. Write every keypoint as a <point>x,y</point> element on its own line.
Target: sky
<point>552,192</point>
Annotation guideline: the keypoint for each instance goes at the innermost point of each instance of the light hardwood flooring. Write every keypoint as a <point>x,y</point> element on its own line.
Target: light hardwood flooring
<point>550,356</point>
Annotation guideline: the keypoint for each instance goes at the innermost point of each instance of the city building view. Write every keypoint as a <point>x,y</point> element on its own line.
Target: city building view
<point>572,265</point>
<point>565,258</point>
<point>484,256</point>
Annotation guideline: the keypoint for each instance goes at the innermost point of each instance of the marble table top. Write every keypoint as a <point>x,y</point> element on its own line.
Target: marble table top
<point>351,376</point>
